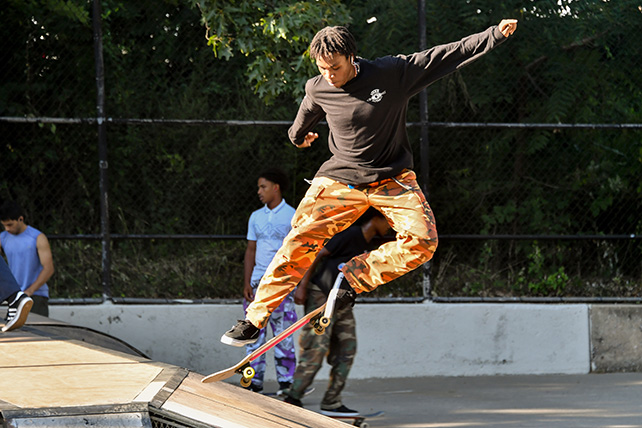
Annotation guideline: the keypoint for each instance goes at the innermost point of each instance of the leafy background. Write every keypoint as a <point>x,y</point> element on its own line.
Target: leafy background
<point>569,62</point>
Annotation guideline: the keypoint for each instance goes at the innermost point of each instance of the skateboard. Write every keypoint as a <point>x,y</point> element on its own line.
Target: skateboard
<point>360,420</point>
<point>318,321</point>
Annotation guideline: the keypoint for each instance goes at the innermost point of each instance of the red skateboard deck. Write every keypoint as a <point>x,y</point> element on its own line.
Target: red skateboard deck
<point>243,367</point>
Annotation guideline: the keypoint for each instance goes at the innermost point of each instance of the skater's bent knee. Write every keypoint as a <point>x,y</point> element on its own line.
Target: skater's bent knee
<point>427,246</point>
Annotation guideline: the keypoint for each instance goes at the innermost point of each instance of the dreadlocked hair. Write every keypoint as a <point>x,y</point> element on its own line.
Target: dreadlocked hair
<point>331,40</point>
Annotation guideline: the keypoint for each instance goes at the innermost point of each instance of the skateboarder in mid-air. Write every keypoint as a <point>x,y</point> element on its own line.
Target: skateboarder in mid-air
<point>364,103</point>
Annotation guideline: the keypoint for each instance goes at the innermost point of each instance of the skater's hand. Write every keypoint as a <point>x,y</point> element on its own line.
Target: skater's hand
<point>307,141</point>
<point>248,293</point>
<point>507,26</point>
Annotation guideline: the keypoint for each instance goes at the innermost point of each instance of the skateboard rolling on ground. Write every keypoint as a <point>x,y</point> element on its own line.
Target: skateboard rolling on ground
<point>360,420</point>
<point>244,368</point>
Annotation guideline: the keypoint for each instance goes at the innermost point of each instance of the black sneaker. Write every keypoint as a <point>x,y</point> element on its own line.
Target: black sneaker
<point>293,401</point>
<point>243,333</point>
<point>342,411</point>
<point>346,295</point>
<point>255,388</point>
<point>283,388</point>
<point>18,312</point>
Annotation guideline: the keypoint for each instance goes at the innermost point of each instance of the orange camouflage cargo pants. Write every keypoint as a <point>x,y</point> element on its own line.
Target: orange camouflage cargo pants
<point>330,207</point>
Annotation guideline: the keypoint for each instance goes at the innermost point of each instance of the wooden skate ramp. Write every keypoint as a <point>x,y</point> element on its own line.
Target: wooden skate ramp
<point>47,379</point>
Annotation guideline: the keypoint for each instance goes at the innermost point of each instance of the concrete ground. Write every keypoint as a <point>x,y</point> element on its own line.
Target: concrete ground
<point>47,361</point>
<point>595,400</point>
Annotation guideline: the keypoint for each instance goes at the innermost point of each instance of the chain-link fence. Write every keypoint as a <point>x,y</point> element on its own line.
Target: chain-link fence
<point>531,157</point>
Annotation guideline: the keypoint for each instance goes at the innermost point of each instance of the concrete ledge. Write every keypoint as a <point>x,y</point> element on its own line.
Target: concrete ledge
<point>616,338</point>
<point>471,339</point>
<point>394,340</point>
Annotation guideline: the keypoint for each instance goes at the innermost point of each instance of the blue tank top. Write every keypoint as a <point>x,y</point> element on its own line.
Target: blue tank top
<point>22,255</point>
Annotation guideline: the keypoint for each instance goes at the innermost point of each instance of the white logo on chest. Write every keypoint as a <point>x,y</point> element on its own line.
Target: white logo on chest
<point>376,96</point>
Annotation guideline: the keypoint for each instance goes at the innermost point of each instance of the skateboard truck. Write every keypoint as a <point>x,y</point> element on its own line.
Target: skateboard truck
<point>321,323</point>
<point>247,372</point>
<point>243,367</point>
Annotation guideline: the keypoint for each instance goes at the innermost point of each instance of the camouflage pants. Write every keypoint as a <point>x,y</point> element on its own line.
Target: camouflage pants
<point>330,207</point>
<point>284,354</point>
<point>339,343</point>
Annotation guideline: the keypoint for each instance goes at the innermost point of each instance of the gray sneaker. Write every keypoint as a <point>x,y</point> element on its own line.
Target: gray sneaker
<point>18,312</point>
<point>243,333</point>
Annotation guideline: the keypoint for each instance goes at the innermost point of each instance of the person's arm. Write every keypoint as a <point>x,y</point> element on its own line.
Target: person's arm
<point>248,265</point>
<point>424,68</point>
<point>307,117</point>
<point>301,292</point>
<point>46,260</point>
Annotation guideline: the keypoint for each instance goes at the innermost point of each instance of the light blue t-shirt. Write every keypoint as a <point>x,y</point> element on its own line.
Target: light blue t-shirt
<point>22,255</point>
<point>268,228</point>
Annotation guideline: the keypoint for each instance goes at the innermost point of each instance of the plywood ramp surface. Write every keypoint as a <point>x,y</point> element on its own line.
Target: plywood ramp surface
<point>39,372</point>
<point>229,406</point>
<point>44,374</point>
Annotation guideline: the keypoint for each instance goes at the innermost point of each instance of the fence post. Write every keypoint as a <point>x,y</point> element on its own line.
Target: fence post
<point>423,140</point>
<point>102,151</point>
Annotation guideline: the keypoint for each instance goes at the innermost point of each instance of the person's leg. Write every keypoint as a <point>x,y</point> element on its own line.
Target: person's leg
<point>343,349</point>
<point>8,285</point>
<point>312,349</point>
<point>284,353</point>
<point>402,202</point>
<point>327,208</point>
<point>40,306</point>
<point>258,364</point>
<point>19,303</point>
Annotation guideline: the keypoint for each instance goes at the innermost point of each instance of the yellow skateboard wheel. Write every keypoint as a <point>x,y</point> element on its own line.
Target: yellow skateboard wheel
<point>324,322</point>
<point>248,373</point>
<point>245,382</point>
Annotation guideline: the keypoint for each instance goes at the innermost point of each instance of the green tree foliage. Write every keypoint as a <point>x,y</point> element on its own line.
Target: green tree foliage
<point>569,62</point>
<point>561,67</point>
<point>274,34</point>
